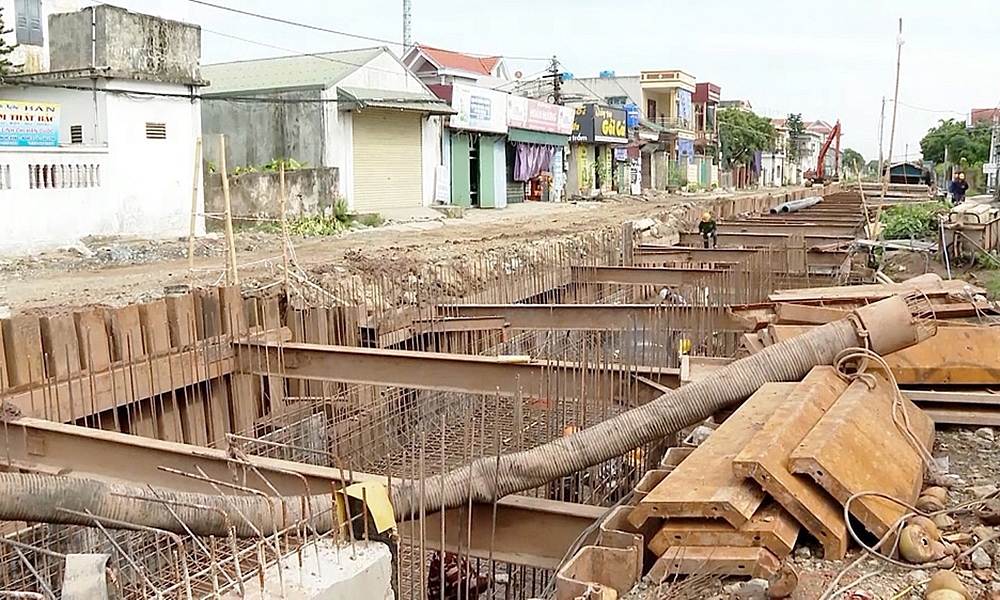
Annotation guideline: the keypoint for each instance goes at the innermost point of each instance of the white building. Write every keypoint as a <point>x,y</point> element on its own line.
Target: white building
<point>436,66</point>
<point>97,146</point>
<point>361,111</point>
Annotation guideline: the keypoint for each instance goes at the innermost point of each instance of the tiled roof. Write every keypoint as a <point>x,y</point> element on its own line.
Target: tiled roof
<point>980,115</point>
<point>456,60</point>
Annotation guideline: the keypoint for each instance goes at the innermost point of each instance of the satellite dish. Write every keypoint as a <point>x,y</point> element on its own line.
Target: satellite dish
<point>518,74</point>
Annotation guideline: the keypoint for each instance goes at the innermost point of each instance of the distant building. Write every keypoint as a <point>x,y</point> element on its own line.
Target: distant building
<point>739,104</point>
<point>103,142</point>
<point>359,111</point>
<point>982,115</point>
<point>435,66</point>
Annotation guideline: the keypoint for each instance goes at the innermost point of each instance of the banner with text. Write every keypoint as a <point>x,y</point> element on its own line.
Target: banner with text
<point>29,123</point>
<point>479,109</point>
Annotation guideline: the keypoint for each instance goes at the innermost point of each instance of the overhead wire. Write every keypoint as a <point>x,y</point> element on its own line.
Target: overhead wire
<point>338,32</point>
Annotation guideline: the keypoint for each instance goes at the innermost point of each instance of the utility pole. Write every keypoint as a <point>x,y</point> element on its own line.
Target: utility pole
<point>895,107</point>
<point>995,157</point>
<point>407,24</point>
<point>556,80</point>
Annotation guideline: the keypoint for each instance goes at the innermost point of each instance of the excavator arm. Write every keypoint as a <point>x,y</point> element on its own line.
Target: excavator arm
<point>819,175</point>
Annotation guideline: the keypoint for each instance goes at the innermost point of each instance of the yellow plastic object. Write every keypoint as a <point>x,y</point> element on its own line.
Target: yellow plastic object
<point>684,346</point>
<point>379,506</point>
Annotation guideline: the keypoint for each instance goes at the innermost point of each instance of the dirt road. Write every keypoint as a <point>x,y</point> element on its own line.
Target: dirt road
<point>116,272</point>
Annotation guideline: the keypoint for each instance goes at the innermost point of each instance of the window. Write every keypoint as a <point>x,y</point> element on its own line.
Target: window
<point>617,100</point>
<point>28,18</point>
<point>76,134</point>
<point>156,131</point>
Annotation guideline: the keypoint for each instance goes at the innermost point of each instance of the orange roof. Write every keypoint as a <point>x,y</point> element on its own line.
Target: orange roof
<point>779,122</point>
<point>456,60</point>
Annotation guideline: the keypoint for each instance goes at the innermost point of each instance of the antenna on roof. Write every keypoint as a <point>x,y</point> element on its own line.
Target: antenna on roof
<point>407,31</point>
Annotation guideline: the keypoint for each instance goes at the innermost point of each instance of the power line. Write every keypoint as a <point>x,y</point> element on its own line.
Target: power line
<point>333,31</point>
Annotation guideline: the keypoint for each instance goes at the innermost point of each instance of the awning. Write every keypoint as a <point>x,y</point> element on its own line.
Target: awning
<point>537,137</point>
<point>361,98</point>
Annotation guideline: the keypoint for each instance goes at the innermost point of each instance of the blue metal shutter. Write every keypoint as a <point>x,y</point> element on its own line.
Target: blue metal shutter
<point>35,23</point>
<point>21,21</point>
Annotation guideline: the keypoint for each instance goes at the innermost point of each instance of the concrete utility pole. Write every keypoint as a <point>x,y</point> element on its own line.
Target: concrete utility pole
<point>994,177</point>
<point>881,131</point>
<point>556,80</point>
<point>407,24</point>
<point>895,108</point>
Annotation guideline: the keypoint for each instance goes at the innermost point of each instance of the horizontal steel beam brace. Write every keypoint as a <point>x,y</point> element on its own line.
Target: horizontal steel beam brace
<point>461,373</point>
<point>603,317</point>
<point>46,447</point>
<point>656,276</point>
<point>761,240</point>
<point>651,254</point>
<point>783,228</point>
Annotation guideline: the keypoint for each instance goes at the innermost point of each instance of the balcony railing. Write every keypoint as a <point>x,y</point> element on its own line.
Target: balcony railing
<point>674,123</point>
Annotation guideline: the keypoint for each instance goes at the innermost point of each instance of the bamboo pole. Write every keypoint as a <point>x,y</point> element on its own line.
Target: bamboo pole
<point>895,111</point>
<point>232,277</point>
<point>285,241</point>
<point>194,205</point>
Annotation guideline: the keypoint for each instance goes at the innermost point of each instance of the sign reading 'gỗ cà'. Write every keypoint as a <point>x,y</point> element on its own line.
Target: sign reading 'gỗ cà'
<point>33,124</point>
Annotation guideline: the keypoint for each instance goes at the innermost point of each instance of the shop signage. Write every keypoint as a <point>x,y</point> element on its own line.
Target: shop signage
<point>533,115</point>
<point>479,109</point>
<point>29,123</point>
<point>599,125</point>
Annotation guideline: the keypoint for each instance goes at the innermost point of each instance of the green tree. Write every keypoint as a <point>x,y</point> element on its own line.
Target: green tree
<point>852,161</point>
<point>6,66</point>
<point>796,136</point>
<point>970,146</point>
<point>743,134</point>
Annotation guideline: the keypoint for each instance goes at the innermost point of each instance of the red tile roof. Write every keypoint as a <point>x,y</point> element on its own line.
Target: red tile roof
<point>779,122</point>
<point>981,115</point>
<point>456,60</point>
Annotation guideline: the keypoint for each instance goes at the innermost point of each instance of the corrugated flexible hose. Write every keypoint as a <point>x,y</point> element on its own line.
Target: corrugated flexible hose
<point>66,500</point>
<point>889,321</point>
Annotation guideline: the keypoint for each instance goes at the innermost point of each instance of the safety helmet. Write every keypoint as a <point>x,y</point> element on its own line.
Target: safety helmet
<point>706,217</point>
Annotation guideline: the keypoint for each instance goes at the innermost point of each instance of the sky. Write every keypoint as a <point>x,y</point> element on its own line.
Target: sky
<point>829,61</point>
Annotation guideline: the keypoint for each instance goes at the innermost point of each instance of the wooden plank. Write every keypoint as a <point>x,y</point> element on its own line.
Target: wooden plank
<point>800,314</point>
<point>704,485</point>
<point>165,413</point>
<point>856,447</point>
<point>217,405</point>
<point>765,459</point>
<point>92,332</point>
<point>155,327</point>
<point>723,560</point>
<point>234,317</point>
<point>60,345</point>
<point>126,333</point>
<point>181,320</point>
<point>873,291</point>
<point>114,387</point>
<point>771,527</point>
<point>208,313</point>
<point>22,338</point>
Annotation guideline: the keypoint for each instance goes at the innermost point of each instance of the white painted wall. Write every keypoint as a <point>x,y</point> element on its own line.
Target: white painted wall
<point>145,186</point>
<point>500,168</point>
<point>431,132</point>
<point>34,58</point>
<point>772,169</point>
<point>384,72</point>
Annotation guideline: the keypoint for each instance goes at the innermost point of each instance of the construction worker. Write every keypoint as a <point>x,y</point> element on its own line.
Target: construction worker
<point>958,187</point>
<point>709,230</point>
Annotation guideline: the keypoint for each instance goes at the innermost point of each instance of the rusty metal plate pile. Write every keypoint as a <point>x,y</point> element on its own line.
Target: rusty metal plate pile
<point>787,459</point>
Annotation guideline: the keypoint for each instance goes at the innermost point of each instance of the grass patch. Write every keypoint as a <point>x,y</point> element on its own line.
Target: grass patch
<point>992,285</point>
<point>337,221</point>
<point>912,221</point>
<point>371,220</point>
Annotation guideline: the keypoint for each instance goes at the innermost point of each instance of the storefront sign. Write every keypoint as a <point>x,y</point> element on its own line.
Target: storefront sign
<point>29,123</point>
<point>621,154</point>
<point>479,109</point>
<point>600,125</point>
<point>532,115</point>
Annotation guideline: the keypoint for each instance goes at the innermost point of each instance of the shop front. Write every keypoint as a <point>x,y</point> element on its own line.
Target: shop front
<point>597,131</point>
<point>476,145</point>
<point>537,136</point>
